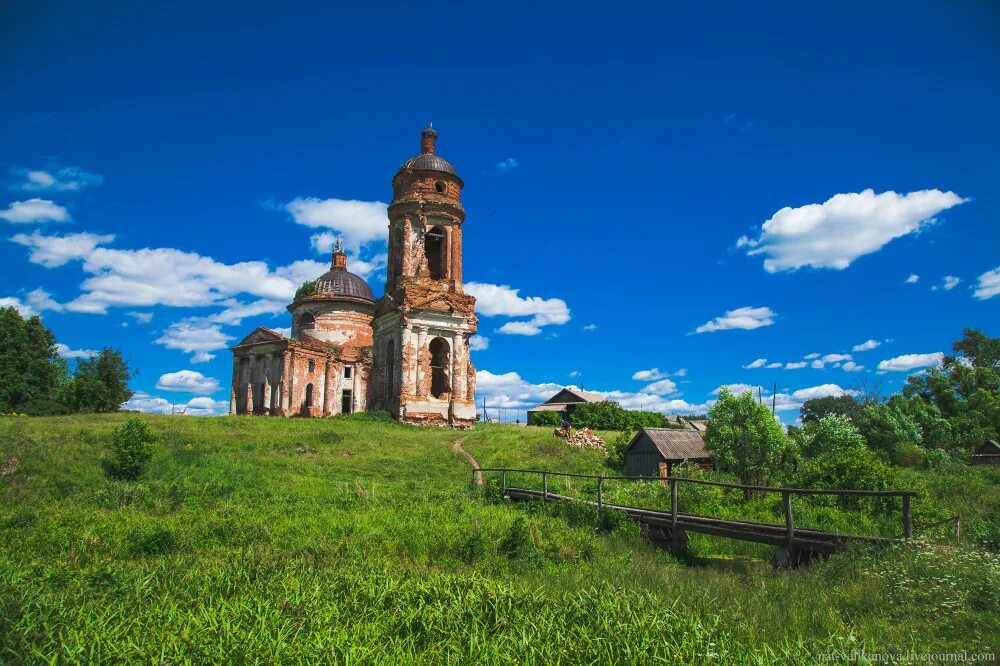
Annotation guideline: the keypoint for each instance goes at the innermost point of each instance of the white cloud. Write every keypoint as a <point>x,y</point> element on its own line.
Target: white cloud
<point>772,366</point>
<point>515,393</point>
<point>323,242</point>
<point>143,402</point>
<point>161,276</point>
<point>836,359</point>
<point>661,387</point>
<point>187,381</point>
<point>195,337</point>
<point>851,366</point>
<point>575,373</point>
<point>847,226</point>
<point>500,300</point>
<point>66,352</point>
<point>285,331</point>
<point>590,327</point>
<point>479,342</point>
<point>988,284</point>
<point>237,311</point>
<point>759,363</point>
<point>34,210</point>
<point>507,164</point>
<point>911,361</point>
<point>649,375</point>
<point>950,282</point>
<point>746,318</point>
<point>206,407</point>
<point>13,302</point>
<point>796,365</point>
<point>810,357</point>
<point>55,251</point>
<point>64,179</point>
<point>141,317</point>
<point>866,345</point>
<point>357,223</point>
<point>913,279</point>
<point>735,389</point>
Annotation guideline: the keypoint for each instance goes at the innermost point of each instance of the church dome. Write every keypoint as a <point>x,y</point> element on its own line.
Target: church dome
<point>428,160</point>
<point>342,283</point>
<point>338,282</point>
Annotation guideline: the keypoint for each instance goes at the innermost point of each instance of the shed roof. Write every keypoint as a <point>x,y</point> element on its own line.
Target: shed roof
<point>558,407</point>
<point>674,444</point>
<point>989,447</point>
<point>566,396</point>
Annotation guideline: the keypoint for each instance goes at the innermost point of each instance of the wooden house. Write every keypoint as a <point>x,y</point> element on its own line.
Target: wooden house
<point>564,402</point>
<point>987,454</point>
<point>654,451</point>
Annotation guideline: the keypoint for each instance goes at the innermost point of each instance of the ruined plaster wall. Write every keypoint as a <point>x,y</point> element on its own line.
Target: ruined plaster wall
<point>337,322</point>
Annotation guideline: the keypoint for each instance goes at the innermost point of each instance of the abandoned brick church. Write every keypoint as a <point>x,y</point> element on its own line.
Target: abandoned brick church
<point>408,352</point>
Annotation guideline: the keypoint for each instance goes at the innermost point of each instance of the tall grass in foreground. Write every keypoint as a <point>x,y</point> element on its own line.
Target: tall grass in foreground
<point>346,540</point>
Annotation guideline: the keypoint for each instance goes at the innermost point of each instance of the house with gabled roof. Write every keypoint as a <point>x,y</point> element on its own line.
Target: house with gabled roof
<point>565,401</point>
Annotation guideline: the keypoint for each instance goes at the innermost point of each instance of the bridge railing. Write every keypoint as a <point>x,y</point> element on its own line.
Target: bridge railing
<point>674,481</point>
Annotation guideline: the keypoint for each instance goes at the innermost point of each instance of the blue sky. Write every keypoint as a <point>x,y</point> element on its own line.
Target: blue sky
<point>658,196</point>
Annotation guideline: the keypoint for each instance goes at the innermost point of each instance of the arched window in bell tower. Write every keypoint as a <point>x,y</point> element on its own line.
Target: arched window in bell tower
<point>435,242</point>
<point>440,365</point>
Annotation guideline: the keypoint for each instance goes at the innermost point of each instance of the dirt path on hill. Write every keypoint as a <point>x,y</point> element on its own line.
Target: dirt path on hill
<point>457,448</point>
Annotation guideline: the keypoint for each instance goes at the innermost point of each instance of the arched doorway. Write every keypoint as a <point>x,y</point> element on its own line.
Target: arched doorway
<point>435,243</point>
<point>309,396</point>
<point>440,366</point>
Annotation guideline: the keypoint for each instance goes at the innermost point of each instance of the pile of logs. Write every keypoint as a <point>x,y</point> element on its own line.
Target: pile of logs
<point>582,438</point>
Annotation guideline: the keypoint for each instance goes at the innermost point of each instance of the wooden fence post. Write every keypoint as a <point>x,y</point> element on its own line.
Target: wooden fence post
<point>673,505</point>
<point>907,518</point>
<point>600,493</point>
<point>503,480</point>
<point>786,498</point>
<point>957,531</point>
<point>545,486</point>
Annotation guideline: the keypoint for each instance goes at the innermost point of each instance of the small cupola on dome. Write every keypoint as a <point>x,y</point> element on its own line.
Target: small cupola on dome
<point>338,282</point>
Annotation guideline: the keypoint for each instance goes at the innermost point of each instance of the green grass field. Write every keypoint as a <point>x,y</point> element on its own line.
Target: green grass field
<point>353,540</point>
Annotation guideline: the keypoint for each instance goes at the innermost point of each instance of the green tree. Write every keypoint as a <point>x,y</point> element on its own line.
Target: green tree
<point>745,438</point>
<point>552,419</point>
<point>30,367</point>
<point>887,427</point>
<point>100,383</point>
<point>603,415</point>
<point>833,432</point>
<point>813,410</point>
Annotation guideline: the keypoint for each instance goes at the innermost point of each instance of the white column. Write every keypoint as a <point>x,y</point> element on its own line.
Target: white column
<point>421,354</point>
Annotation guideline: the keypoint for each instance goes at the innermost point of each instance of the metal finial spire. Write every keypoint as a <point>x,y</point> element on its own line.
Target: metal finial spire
<point>338,246</point>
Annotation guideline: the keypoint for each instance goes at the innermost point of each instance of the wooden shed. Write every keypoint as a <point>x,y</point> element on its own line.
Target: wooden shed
<point>987,454</point>
<point>654,451</point>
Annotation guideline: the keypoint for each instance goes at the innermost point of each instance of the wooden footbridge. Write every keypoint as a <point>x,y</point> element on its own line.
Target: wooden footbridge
<point>668,529</point>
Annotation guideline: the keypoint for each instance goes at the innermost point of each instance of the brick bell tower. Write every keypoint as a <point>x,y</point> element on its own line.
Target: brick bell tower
<point>422,371</point>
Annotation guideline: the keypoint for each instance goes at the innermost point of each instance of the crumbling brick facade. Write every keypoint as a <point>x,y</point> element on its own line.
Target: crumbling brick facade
<point>423,372</point>
<point>409,352</point>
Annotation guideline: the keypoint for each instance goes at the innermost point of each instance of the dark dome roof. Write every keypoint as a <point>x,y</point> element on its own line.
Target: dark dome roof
<point>427,162</point>
<point>341,283</point>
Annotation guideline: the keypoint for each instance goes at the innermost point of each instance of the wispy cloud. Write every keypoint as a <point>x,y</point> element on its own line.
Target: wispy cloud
<point>746,318</point>
<point>34,211</point>
<point>508,164</point>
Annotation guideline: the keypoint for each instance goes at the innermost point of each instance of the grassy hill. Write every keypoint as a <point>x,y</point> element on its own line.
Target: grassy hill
<point>353,540</point>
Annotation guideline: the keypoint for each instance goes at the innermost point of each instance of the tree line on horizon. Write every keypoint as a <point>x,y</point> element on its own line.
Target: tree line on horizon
<point>35,380</point>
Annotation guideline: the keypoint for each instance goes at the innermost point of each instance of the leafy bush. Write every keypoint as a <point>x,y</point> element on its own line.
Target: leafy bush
<point>608,415</point>
<point>131,449</point>
<point>907,454</point>
<point>616,451</point>
<point>552,419</point>
<point>846,469</point>
<point>833,432</point>
<point>44,407</point>
<point>307,289</point>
